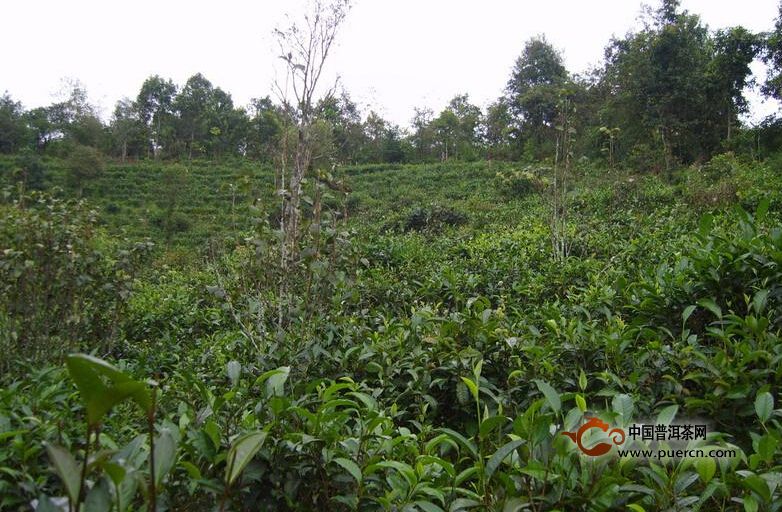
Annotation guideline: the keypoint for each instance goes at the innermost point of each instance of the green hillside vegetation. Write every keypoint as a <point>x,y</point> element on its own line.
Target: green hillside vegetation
<point>298,306</point>
<point>669,301</point>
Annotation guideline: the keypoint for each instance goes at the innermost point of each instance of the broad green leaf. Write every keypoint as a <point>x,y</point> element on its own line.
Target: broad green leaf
<point>242,450</point>
<point>192,470</point>
<point>552,397</point>
<point>90,375</point>
<point>706,467</point>
<point>711,306</point>
<point>351,467</point>
<point>759,301</point>
<point>490,424</point>
<point>275,380</point>
<point>67,468</point>
<point>165,455</point>
<point>463,441</point>
<point>764,406</point>
<point>464,504</point>
<point>515,505</point>
<point>115,471</point>
<point>582,380</point>
<point>499,456</point>
<point>667,415</point>
<point>687,313</point>
<point>622,404</point>
<point>581,403</point>
<point>428,506</point>
<point>404,469</point>
<point>759,486</point>
<point>99,498</point>
<point>465,475</point>
<point>471,386</point>
<point>428,460</point>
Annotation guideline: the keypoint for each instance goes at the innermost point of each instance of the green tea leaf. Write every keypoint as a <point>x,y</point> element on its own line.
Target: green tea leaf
<point>102,386</point>
<point>471,386</point>
<point>165,455</point>
<point>622,404</point>
<point>706,467</point>
<point>764,406</point>
<point>499,456</point>
<point>351,467</point>
<point>552,397</point>
<point>711,306</point>
<point>242,450</point>
<point>667,415</point>
<point>67,468</point>
<point>581,403</point>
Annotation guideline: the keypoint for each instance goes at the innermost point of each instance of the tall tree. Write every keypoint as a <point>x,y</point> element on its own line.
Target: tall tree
<point>126,128</point>
<point>423,137</point>
<point>155,110</point>
<point>675,85</point>
<point>498,129</point>
<point>533,90</point>
<point>264,130</point>
<point>772,56</point>
<point>14,134</point>
<point>192,106</point>
<point>729,73</point>
<point>304,48</point>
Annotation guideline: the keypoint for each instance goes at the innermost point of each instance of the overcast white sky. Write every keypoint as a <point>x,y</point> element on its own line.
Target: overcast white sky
<point>393,54</point>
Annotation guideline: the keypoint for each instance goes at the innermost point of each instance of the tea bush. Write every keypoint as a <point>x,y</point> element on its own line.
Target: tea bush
<point>410,369</point>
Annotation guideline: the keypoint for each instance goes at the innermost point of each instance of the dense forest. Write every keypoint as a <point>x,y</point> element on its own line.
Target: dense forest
<point>298,305</point>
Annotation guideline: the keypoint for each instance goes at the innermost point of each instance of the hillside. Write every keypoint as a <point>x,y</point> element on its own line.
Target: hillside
<point>415,346</point>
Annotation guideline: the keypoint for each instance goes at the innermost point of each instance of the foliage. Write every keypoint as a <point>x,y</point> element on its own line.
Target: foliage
<point>64,284</point>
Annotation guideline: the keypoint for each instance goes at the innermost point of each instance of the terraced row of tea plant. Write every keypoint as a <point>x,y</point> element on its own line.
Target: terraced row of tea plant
<point>425,353</point>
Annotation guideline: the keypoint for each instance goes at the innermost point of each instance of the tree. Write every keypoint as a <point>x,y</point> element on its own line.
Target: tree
<point>772,56</point>
<point>423,134</point>
<point>29,173</point>
<point>304,48</point>
<point>445,128</point>
<point>42,128</point>
<point>675,86</point>
<point>729,72</point>
<point>126,128</point>
<point>13,129</point>
<point>75,117</point>
<point>498,129</point>
<point>191,106</point>
<point>533,90</point>
<point>468,124</point>
<point>155,111</point>
<point>344,117</point>
<point>264,129</point>
<point>375,132</point>
<point>85,163</point>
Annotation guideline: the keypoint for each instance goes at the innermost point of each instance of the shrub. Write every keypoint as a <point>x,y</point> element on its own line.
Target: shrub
<point>84,163</point>
<point>433,219</point>
<point>62,284</point>
<point>519,183</point>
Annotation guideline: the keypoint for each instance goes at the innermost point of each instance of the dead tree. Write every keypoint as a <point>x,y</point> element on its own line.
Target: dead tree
<point>304,47</point>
